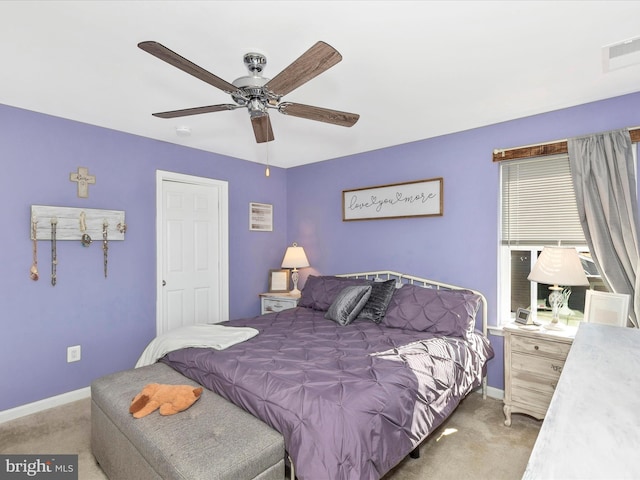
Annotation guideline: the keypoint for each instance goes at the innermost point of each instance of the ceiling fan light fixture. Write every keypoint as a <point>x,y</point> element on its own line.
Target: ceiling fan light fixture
<point>257,108</point>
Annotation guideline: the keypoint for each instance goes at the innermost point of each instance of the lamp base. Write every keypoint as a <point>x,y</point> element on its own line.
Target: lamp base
<point>294,276</point>
<point>555,300</point>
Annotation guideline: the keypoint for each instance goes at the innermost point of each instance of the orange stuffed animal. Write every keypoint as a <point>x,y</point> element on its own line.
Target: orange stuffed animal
<point>169,399</point>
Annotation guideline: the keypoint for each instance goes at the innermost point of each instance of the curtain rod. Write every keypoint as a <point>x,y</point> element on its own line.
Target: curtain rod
<point>545,148</point>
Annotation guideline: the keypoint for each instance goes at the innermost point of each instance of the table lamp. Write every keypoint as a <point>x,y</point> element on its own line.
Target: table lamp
<point>295,258</point>
<point>558,266</point>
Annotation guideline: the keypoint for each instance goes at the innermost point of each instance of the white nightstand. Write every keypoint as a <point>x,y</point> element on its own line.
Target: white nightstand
<point>276,302</point>
<point>533,362</point>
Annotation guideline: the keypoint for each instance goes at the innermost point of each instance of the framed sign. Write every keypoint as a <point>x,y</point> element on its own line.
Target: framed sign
<point>278,281</point>
<point>422,198</point>
<point>261,217</point>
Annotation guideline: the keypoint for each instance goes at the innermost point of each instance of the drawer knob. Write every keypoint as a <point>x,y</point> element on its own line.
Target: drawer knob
<point>536,347</point>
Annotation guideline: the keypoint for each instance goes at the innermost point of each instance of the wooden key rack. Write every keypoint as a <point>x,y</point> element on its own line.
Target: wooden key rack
<point>73,223</point>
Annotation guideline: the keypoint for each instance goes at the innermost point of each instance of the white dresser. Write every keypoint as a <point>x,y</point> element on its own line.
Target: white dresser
<point>592,427</point>
<point>533,362</point>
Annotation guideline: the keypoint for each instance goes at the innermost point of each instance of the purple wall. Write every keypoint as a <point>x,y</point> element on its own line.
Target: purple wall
<point>460,247</point>
<point>112,319</point>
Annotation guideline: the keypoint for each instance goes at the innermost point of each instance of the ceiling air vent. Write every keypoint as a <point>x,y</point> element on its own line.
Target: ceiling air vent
<point>621,54</point>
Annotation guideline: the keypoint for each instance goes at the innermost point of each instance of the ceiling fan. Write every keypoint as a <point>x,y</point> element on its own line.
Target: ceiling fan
<point>258,93</point>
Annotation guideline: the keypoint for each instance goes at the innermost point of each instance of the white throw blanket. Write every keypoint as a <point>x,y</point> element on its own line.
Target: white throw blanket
<point>201,336</point>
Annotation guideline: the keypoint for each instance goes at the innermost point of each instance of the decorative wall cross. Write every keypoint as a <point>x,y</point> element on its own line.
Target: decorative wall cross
<point>84,179</point>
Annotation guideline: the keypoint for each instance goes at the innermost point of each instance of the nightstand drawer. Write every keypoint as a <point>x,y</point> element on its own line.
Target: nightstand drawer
<point>271,305</point>
<point>536,365</point>
<point>531,399</point>
<point>541,347</point>
<point>544,384</point>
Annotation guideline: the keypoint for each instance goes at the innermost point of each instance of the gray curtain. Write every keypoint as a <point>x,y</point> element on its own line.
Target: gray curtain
<point>604,180</point>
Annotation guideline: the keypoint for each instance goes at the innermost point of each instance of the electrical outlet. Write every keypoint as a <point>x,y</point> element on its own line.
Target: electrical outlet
<point>73,354</point>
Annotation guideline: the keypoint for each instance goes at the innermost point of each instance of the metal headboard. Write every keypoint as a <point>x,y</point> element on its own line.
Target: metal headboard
<point>425,283</point>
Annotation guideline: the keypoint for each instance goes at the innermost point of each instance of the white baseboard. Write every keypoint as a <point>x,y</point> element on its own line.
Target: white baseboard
<point>494,392</point>
<point>44,404</point>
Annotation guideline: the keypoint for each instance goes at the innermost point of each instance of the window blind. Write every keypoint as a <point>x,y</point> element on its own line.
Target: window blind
<point>538,203</point>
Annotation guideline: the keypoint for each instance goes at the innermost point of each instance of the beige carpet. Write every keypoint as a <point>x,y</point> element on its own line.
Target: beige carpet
<point>472,444</point>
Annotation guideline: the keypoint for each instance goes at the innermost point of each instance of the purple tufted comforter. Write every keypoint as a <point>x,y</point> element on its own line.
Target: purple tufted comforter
<point>351,401</point>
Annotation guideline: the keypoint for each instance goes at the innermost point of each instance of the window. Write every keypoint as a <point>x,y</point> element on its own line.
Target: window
<point>538,208</point>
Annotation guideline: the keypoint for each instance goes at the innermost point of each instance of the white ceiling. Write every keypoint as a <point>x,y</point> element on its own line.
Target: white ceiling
<point>412,70</point>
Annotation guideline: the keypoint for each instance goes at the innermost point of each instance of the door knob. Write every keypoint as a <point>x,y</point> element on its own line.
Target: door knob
<point>164,283</point>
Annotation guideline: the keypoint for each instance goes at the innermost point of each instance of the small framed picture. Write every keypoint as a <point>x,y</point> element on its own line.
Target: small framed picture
<point>523,317</point>
<point>607,308</point>
<point>279,281</point>
<point>260,217</point>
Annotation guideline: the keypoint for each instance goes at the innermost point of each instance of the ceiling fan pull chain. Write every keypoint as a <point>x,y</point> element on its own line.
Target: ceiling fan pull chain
<point>267,171</point>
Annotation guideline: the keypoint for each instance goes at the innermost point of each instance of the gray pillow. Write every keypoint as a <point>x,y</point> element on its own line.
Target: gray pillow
<point>348,304</point>
<point>320,292</point>
<point>376,306</point>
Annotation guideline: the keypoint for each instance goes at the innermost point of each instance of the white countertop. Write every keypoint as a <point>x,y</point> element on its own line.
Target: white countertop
<point>592,427</point>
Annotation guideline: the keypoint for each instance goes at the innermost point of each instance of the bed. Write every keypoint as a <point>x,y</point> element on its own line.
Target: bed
<point>352,393</point>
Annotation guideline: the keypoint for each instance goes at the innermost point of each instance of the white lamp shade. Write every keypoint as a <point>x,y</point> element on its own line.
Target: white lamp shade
<point>558,266</point>
<point>295,257</point>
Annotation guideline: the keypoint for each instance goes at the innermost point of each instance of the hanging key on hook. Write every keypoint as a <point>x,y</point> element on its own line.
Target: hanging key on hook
<point>33,272</point>
<point>54,251</point>
<point>85,240</point>
<point>105,246</point>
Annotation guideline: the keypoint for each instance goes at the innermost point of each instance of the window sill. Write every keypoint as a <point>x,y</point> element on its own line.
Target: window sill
<point>497,330</point>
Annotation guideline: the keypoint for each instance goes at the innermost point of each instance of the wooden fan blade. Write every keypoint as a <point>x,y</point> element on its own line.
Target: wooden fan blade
<point>319,114</point>
<point>262,128</point>
<point>195,111</point>
<point>172,58</point>
<point>310,64</point>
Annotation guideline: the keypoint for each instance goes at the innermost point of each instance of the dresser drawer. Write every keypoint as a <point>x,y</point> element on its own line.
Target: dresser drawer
<point>544,367</point>
<point>524,344</point>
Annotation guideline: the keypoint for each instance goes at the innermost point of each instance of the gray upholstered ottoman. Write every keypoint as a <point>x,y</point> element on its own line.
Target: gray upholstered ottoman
<point>213,439</point>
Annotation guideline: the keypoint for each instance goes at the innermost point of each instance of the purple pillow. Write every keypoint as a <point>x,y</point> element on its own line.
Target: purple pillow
<point>445,312</point>
<point>320,292</point>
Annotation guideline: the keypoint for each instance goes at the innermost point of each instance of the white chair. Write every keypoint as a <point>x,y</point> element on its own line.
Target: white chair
<point>606,308</point>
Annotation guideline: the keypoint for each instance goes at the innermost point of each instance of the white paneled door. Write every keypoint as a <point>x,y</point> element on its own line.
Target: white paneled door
<point>192,251</point>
